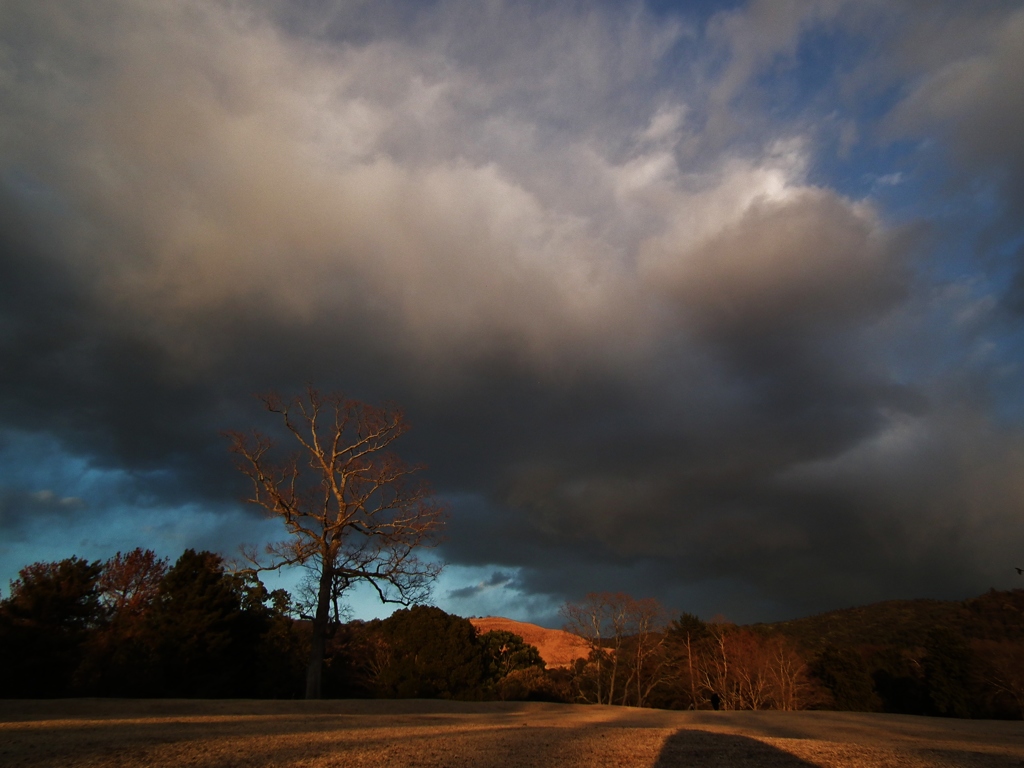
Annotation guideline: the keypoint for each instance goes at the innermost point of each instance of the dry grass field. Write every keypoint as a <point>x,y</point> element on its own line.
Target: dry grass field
<point>91,732</point>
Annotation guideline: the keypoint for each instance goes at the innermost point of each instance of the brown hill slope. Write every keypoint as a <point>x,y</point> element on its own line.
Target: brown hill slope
<point>557,647</point>
<point>994,615</point>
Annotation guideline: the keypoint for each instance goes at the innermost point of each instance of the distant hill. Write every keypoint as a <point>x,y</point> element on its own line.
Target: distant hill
<point>994,615</point>
<point>557,647</point>
<point>991,616</point>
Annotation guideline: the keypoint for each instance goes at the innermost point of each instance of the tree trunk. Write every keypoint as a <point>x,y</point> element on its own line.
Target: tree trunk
<point>611,686</point>
<point>317,644</point>
<point>689,662</point>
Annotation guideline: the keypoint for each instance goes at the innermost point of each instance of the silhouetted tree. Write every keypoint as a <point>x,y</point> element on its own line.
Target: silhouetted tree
<point>507,654</point>
<point>206,640</point>
<point>535,684</point>
<point>348,502</point>
<point>44,625</point>
<point>430,654</point>
<point>120,657</point>
<point>355,658</point>
<point>283,644</point>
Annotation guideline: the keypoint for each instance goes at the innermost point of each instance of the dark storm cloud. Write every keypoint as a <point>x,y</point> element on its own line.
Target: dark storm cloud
<point>74,369</point>
<point>639,348</point>
<point>20,512</point>
<point>496,579</point>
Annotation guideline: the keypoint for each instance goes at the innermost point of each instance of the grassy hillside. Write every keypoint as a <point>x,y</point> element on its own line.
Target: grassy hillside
<point>557,647</point>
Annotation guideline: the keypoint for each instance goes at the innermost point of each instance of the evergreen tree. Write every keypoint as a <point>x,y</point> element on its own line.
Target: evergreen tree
<point>507,652</point>
<point>206,641</point>
<point>44,625</point>
<point>432,655</point>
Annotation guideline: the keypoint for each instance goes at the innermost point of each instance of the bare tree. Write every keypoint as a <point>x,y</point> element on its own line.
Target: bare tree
<point>649,666</point>
<point>352,507</point>
<point>588,620</point>
<point>686,638</point>
<point>738,668</point>
<point>626,639</point>
<point>750,685</point>
<point>713,668</point>
<point>792,687</point>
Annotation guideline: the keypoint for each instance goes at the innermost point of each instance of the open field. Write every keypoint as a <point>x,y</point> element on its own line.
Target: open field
<point>90,732</point>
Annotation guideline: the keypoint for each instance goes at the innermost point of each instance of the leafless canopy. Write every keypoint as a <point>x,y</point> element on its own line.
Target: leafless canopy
<point>347,500</point>
<point>627,660</point>
<point>354,510</point>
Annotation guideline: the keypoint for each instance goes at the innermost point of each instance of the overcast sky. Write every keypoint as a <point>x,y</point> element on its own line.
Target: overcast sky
<point>715,302</point>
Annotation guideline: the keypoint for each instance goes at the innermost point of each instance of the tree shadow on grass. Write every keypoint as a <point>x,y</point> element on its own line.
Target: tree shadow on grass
<point>704,748</point>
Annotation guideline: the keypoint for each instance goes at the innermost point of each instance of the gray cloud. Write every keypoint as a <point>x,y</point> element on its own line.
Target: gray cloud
<point>642,344</point>
<point>496,579</point>
<point>21,511</point>
<point>970,94</point>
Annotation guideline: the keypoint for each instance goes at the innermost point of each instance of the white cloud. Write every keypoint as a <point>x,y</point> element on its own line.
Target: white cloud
<point>235,163</point>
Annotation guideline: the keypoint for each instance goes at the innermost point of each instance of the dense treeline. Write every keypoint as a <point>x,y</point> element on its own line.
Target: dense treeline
<point>636,660</point>
<point>926,657</point>
<point>423,652</point>
<point>139,626</point>
<point>932,657</point>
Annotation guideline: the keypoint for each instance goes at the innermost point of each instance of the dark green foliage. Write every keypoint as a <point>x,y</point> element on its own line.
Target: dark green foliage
<point>430,654</point>
<point>127,628</point>
<point>60,596</point>
<point>424,652</point>
<point>947,674</point>
<point>507,652</point>
<point>44,626</point>
<point>932,678</point>
<point>133,627</point>
<point>354,657</point>
<point>843,672</point>
<point>207,641</point>
<point>535,684</point>
<point>899,681</point>
<point>515,669</point>
<point>280,646</point>
<point>688,626</point>
<point>919,652</point>
<point>120,660</point>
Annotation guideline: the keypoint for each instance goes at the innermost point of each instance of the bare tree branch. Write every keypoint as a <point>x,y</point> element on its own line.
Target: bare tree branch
<point>354,511</point>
